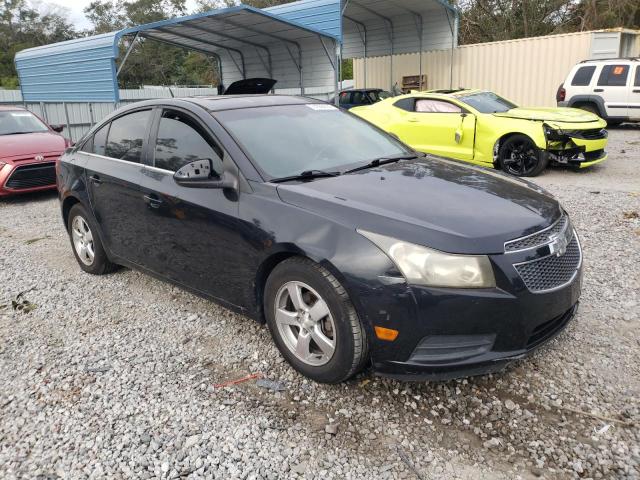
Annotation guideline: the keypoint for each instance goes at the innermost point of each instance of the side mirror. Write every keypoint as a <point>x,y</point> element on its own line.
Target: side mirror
<point>57,128</point>
<point>200,174</point>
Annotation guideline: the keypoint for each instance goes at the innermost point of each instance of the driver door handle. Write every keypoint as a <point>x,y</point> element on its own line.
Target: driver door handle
<point>599,90</point>
<point>153,201</point>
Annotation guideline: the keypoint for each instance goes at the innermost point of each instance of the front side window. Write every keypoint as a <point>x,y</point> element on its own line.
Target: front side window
<point>291,139</point>
<point>424,105</point>
<point>17,122</point>
<point>487,102</point>
<point>614,76</point>
<point>583,76</point>
<point>181,141</point>
<point>637,81</point>
<point>126,136</point>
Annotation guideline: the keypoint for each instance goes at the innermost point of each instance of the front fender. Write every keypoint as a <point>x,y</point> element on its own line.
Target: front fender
<point>491,130</point>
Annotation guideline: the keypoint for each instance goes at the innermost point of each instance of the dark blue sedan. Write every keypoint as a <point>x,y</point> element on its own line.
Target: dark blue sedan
<point>354,249</point>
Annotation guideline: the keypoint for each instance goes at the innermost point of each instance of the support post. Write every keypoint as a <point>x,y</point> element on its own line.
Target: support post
<point>66,116</point>
<point>126,55</point>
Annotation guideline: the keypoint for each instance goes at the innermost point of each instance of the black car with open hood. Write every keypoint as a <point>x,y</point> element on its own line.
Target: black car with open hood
<point>251,86</point>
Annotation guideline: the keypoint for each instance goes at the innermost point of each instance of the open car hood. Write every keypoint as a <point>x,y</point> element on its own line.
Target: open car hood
<point>569,115</point>
<point>251,86</point>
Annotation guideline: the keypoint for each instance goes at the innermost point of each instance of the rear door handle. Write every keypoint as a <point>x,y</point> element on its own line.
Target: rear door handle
<point>152,201</point>
<point>95,179</point>
<point>598,90</point>
<point>636,91</point>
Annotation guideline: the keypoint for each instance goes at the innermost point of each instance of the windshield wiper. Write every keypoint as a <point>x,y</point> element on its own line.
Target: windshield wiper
<point>306,175</point>
<point>387,160</point>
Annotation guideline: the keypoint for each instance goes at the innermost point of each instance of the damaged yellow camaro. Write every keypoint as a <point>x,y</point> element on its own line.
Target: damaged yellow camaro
<point>483,128</point>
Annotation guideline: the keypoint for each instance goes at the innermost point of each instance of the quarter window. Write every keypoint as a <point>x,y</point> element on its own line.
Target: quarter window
<point>345,98</point>
<point>436,106</point>
<point>99,143</point>
<point>583,76</point>
<point>126,136</point>
<point>181,141</point>
<point>614,76</point>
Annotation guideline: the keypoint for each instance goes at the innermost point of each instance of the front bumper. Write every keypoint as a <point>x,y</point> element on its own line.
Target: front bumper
<point>27,178</point>
<point>451,333</point>
<point>577,151</point>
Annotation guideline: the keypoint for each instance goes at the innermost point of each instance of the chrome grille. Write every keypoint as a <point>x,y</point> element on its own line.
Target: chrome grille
<point>538,239</point>
<point>552,272</point>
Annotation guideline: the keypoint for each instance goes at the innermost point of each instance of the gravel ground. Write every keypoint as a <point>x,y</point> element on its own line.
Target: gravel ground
<point>115,377</point>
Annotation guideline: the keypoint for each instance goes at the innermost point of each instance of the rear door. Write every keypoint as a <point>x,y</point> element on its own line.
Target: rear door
<point>437,126</point>
<point>114,173</point>
<point>193,236</point>
<point>634,98</point>
<point>614,86</point>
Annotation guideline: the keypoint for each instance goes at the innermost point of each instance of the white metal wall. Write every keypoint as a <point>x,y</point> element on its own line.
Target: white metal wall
<point>528,71</point>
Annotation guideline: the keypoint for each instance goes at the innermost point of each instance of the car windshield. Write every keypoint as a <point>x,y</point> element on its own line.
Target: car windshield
<point>16,122</point>
<point>288,140</point>
<point>487,102</point>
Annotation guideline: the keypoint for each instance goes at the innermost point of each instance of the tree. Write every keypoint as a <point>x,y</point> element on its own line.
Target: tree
<point>22,26</point>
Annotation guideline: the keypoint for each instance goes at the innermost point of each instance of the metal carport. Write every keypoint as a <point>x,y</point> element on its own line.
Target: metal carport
<point>245,42</point>
<point>300,44</point>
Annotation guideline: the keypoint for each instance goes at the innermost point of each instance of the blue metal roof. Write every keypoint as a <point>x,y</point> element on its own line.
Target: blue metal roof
<point>322,15</point>
<point>77,70</point>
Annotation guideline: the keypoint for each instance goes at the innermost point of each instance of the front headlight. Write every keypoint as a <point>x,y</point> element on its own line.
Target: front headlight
<point>425,266</point>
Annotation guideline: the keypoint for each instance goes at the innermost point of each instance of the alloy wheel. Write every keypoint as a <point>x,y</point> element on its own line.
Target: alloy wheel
<point>520,158</point>
<point>305,323</point>
<point>83,240</point>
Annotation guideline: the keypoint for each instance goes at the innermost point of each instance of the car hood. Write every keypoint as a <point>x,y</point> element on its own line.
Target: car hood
<point>433,202</point>
<point>568,115</point>
<point>13,147</point>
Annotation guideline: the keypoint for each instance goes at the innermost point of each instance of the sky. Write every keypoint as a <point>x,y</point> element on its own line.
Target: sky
<point>75,8</point>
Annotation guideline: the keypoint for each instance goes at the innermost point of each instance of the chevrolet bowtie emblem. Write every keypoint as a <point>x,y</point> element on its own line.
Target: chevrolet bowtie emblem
<point>558,245</point>
<point>38,158</point>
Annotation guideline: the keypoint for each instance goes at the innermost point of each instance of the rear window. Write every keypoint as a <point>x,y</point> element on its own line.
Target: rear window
<point>583,76</point>
<point>614,76</point>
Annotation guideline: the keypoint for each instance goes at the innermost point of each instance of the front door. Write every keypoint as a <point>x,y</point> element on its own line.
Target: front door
<point>114,172</point>
<point>194,236</point>
<point>439,127</point>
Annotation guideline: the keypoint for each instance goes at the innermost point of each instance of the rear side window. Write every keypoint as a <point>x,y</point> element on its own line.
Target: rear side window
<point>614,76</point>
<point>126,136</point>
<point>637,82</point>
<point>181,141</point>
<point>407,104</point>
<point>583,76</point>
<point>436,106</point>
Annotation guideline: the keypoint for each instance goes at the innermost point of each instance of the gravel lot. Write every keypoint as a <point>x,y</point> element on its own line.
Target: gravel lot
<point>115,376</point>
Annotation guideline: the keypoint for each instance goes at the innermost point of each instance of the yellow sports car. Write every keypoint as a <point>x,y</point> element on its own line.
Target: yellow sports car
<point>483,128</point>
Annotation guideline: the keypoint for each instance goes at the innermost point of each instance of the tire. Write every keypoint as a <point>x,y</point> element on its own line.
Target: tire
<point>86,244</point>
<point>325,317</point>
<point>520,157</point>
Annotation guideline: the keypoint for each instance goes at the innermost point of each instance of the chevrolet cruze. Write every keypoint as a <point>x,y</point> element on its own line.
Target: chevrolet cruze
<point>354,249</point>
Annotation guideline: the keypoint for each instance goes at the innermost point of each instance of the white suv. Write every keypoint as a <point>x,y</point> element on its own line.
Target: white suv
<point>609,88</point>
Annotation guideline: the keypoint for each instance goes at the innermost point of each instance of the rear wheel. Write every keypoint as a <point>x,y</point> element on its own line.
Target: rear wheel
<point>86,243</point>
<point>521,157</point>
<point>589,107</point>
<point>313,322</point>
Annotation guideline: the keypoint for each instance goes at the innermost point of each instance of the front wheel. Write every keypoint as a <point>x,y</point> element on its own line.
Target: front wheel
<point>313,322</point>
<point>521,157</point>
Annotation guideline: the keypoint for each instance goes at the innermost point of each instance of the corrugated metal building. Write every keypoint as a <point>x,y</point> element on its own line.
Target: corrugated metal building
<point>528,71</point>
<point>299,44</point>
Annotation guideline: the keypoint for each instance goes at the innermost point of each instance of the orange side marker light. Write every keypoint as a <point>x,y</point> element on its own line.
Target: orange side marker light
<point>386,334</point>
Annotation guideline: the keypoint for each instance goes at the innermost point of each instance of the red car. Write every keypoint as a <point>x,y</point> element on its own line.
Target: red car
<point>29,149</point>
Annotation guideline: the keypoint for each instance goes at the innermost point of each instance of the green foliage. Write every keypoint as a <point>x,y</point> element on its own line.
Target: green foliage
<point>22,26</point>
<point>493,20</point>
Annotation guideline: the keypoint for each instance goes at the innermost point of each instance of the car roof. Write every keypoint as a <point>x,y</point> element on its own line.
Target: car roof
<point>361,90</point>
<point>235,102</point>
<point>461,92</point>
<point>5,108</point>
<point>614,59</point>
